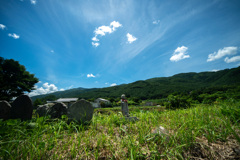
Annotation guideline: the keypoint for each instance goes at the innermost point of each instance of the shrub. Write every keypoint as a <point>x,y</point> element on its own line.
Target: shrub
<point>37,102</point>
<point>177,101</point>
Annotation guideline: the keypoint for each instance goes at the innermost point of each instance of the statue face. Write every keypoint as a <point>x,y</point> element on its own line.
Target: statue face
<point>123,96</point>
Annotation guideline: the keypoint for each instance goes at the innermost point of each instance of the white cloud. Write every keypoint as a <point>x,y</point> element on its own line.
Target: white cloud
<point>2,26</point>
<point>15,36</point>
<point>221,53</point>
<point>115,25</point>
<point>114,84</point>
<point>90,75</point>
<point>62,89</point>
<point>95,39</point>
<point>95,44</point>
<point>131,38</point>
<point>233,59</point>
<point>106,83</point>
<point>156,22</point>
<point>52,51</point>
<point>45,89</point>
<point>33,2</point>
<point>103,30</point>
<point>179,54</point>
<point>50,87</point>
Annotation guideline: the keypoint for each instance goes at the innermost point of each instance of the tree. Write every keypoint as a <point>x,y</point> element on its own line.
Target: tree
<point>14,79</point>
<point>50,97</point>
<point>37,102</point>
<point>136,100</point>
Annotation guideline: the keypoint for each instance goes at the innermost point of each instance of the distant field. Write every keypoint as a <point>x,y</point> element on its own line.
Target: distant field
<point>203,131</point>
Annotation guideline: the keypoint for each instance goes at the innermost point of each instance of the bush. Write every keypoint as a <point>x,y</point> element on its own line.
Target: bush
<point>132,103</point>
<point>136,100</point>
<point>37,102</point>
<point>177,101</point>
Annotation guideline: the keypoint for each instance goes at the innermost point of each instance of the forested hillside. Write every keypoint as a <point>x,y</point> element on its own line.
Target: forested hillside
<point>157,88</point>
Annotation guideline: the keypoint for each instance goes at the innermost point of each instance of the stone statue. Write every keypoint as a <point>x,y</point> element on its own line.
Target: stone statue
<point>124,105</point>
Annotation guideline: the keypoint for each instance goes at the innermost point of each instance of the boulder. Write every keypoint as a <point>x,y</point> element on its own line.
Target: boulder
<point>162,132</point>
<point>42,110</point>
<point>22,108</point>
<point>57,110</point>
<point>81,111</point>
<point>5,110</point>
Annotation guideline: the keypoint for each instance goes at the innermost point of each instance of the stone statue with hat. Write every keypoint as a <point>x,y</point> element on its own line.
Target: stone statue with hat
<point>125,111</point>
<point>124,105</point>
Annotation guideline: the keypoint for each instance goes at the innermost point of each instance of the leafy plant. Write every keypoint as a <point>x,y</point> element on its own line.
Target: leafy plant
<point>177,101</point>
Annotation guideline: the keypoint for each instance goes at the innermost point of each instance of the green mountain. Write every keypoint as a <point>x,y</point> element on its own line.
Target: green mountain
<point>160,87</point>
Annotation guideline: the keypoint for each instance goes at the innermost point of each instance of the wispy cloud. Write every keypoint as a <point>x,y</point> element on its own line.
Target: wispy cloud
<point>52,51</point>
<point>214,70</point>
<point>226,51</point>
<point>33,2</point>
<point>95,44</point>
<point>13,35</point>
<point>103,30</point>
<point>90,75</point>
<point>233,59</point>
<point>156,22</point>
<point>157,33</point>
<point>179,54</point>
<point>44,89</point>
<point>114,84</point>
<point>69,87</point>
<point>131,38</point>
<point>2,26</point>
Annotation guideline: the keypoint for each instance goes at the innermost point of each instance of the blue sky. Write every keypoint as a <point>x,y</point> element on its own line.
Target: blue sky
<point>94,44</point>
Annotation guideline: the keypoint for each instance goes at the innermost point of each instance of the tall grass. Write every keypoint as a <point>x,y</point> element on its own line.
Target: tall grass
<point>110,136</point>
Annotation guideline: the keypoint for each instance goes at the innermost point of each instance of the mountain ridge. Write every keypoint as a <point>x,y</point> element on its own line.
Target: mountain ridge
<point>158,87</point>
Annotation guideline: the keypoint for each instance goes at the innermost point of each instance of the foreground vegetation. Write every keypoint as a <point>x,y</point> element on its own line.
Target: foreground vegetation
<point>202,131</point>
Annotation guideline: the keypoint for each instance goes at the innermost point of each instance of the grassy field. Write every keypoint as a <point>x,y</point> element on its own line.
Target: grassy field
<point>200,132</point>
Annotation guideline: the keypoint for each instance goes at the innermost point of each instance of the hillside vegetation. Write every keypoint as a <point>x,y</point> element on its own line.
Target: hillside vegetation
<point>157,88</point>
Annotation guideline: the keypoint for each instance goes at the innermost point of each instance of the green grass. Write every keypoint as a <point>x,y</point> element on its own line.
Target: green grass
<point>200,132</point>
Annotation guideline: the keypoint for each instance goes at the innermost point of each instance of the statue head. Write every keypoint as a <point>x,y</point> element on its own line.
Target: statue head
<point>123,96</point>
